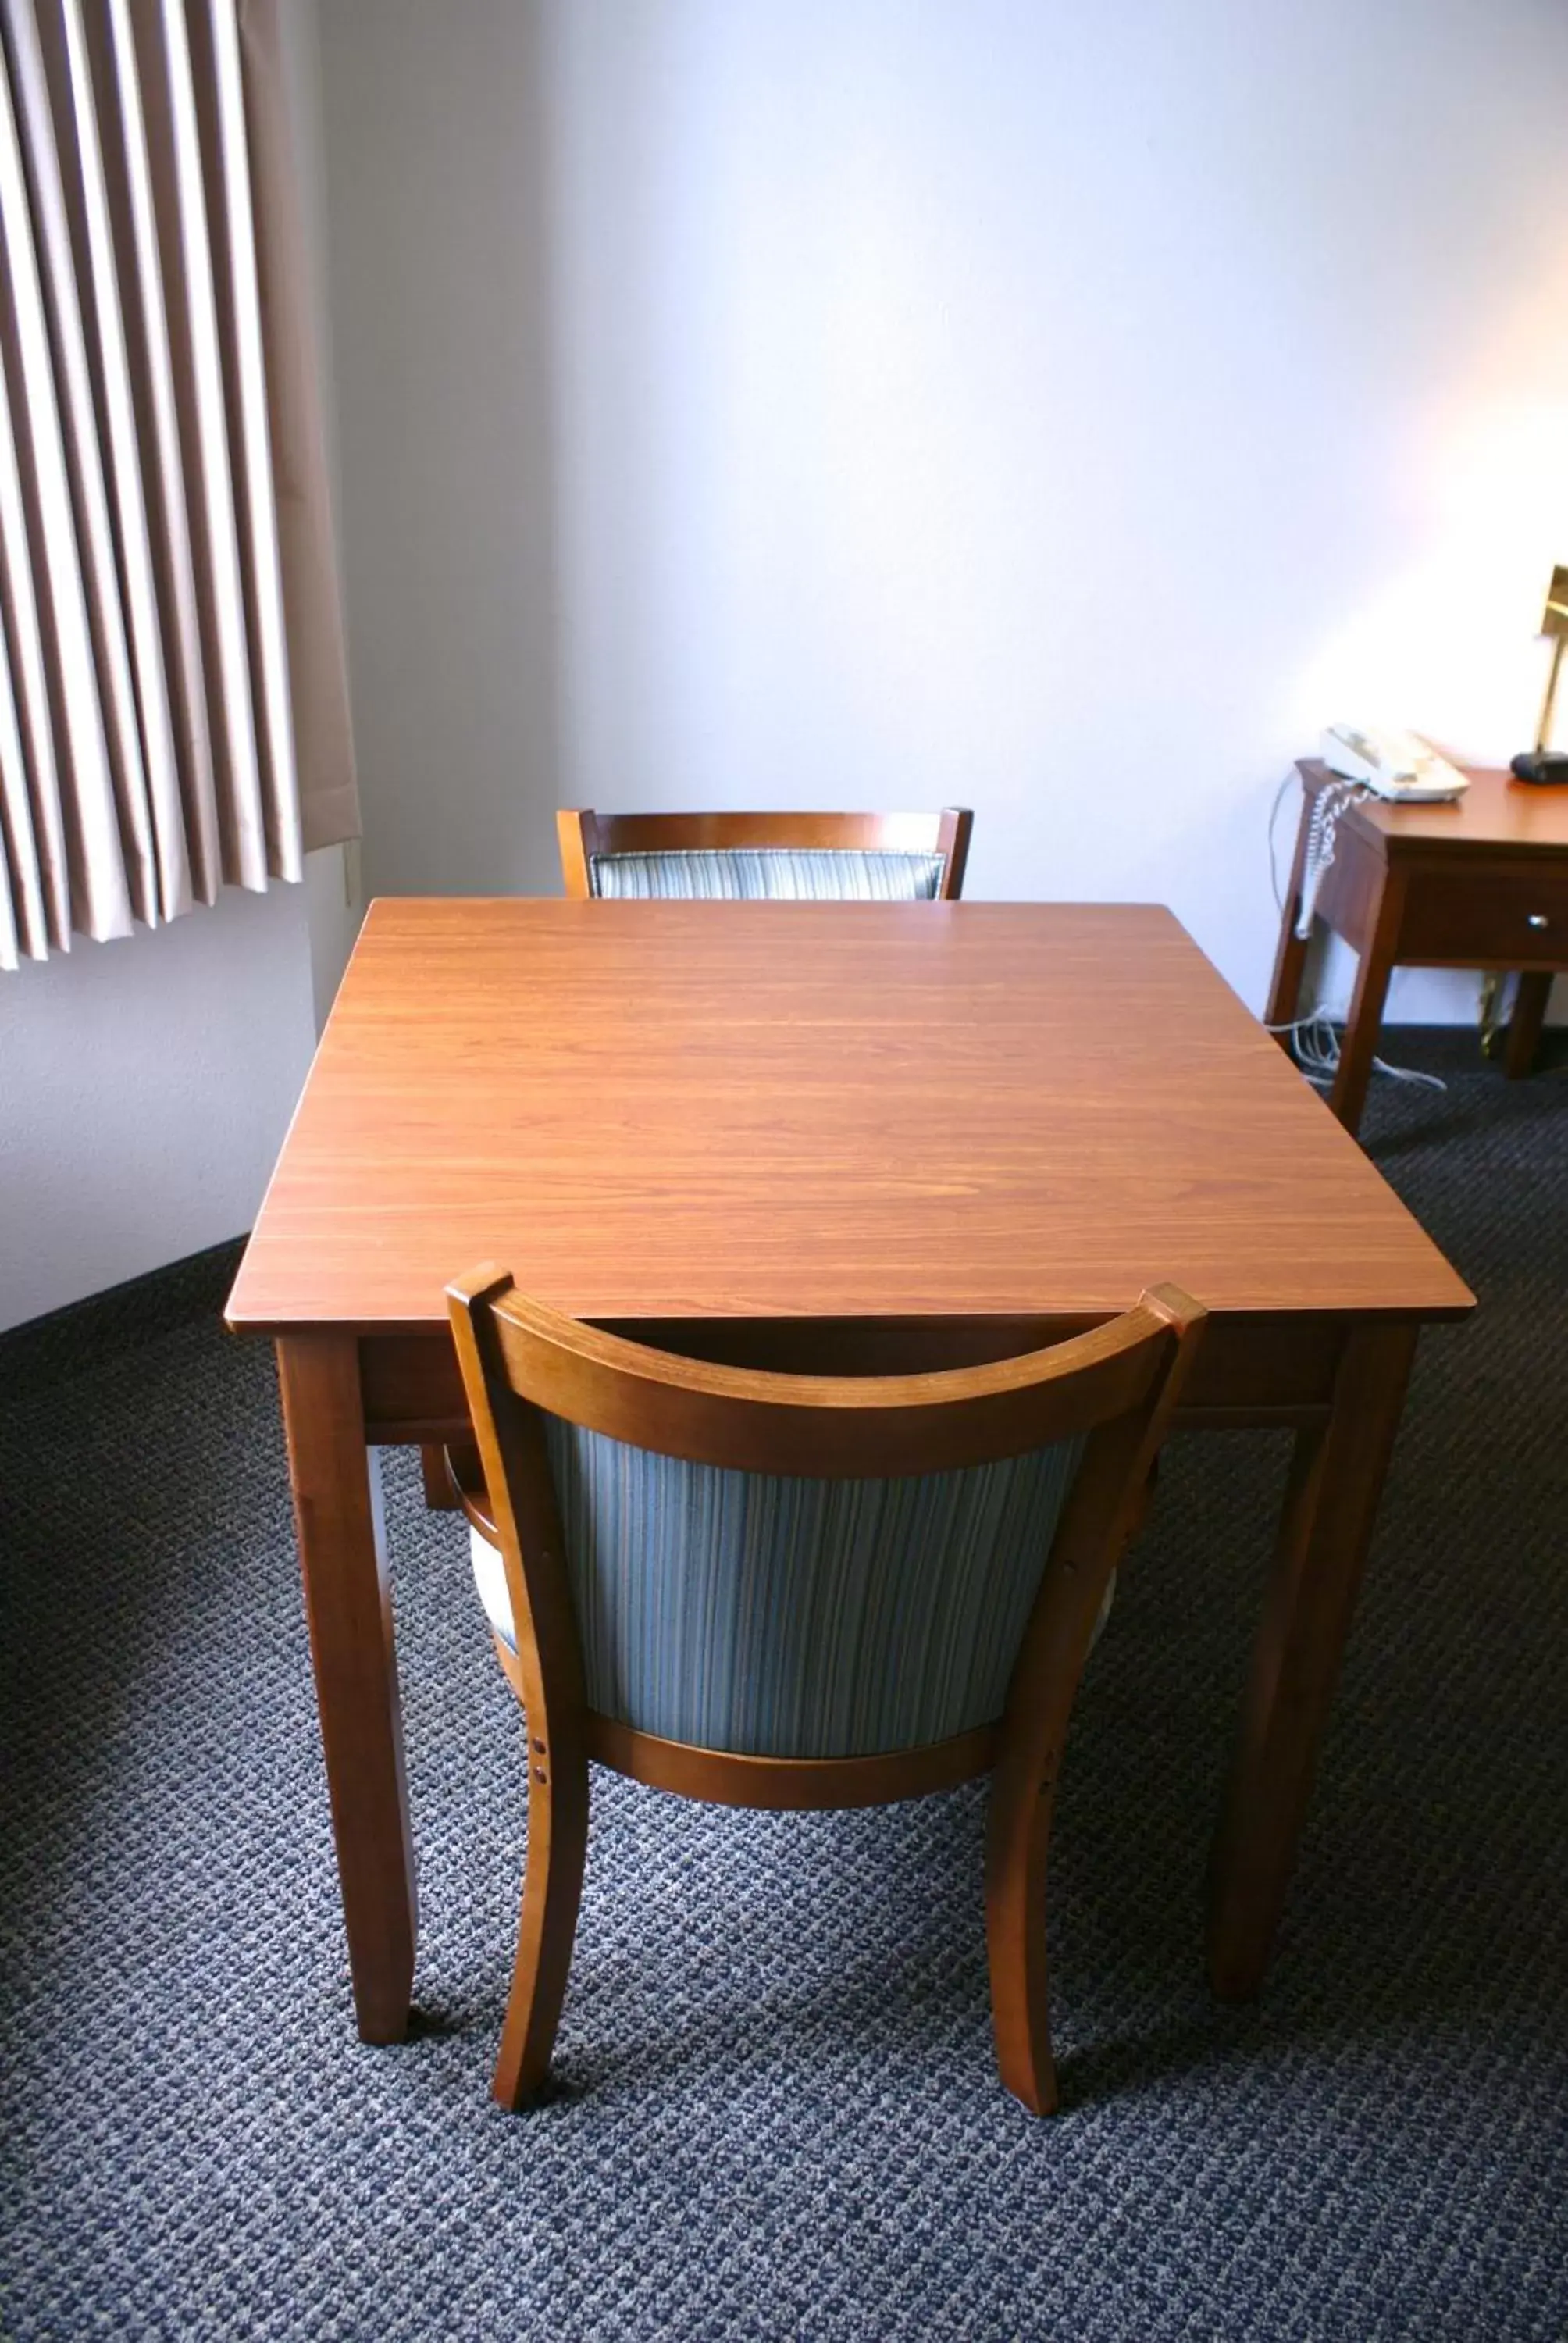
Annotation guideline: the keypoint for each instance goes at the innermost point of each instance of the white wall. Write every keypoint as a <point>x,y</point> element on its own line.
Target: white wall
<point>434,133</point>
<point>334,894</point>
<point>146,1085</point>
<point>1060,409</point>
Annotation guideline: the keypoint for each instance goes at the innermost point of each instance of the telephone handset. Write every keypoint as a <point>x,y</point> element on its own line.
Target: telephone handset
<point>1395,765</point>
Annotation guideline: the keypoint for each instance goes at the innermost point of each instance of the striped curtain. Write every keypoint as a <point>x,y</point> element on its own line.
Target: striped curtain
<point>173,707</point>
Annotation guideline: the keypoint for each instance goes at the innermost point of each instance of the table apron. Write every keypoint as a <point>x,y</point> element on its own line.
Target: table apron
<point>1492,910</point>
<point>1351,889</point>
<point>1252,1370</point>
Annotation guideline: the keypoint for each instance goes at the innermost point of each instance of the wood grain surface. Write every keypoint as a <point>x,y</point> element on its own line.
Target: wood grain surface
<point>670,1109</point>
<point>1496,813</point>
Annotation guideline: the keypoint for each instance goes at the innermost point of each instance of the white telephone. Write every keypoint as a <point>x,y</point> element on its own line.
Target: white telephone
<point>1395,765</point>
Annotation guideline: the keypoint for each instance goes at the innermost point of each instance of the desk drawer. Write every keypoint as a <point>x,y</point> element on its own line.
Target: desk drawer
<point>1511,917</point>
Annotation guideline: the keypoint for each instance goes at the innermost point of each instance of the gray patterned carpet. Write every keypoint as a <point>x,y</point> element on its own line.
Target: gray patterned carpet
<point>777,2115</point>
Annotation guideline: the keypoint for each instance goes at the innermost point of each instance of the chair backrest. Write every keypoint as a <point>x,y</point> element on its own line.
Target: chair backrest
<point>796,1567</point>
<point>873,857</point>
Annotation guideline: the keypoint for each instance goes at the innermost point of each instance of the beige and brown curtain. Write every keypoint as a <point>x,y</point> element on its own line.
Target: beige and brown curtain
<point>173,707</point>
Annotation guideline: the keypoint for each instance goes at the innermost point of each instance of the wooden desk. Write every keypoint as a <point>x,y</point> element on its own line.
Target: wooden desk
<point>1482,882</point>
<point>953,1128</point>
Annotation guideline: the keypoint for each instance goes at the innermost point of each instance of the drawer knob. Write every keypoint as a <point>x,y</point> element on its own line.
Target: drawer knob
<point>1536,920</point>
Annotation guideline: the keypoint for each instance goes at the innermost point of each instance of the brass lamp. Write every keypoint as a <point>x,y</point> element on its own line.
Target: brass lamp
<point>1541,764</point>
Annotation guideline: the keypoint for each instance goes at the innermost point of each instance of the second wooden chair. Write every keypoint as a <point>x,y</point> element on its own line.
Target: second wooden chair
<point>867,857</point>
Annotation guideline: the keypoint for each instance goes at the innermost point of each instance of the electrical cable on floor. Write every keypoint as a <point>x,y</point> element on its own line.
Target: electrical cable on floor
<point>1315,1047</point>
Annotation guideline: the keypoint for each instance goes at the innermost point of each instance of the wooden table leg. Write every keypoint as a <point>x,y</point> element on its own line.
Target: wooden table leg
<point>1359,1045</point>
<point>342,1555</point>
<point>1330,1504</point>
<point>1290,956</point>
<point>1524,1025</point>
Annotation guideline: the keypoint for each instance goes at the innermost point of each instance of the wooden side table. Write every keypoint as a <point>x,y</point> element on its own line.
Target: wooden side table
<point>1481,883</point>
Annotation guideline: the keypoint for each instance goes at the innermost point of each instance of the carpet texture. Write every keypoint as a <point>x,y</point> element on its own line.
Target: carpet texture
<point>777,2113</point>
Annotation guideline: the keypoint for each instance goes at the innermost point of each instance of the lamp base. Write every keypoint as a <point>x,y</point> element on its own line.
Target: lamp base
<point>1547,768</point>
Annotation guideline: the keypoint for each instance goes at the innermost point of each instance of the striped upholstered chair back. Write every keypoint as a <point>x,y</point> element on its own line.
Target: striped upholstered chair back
<point>763,1614</point>
<point>889,857</point>
<point>782,1590</point>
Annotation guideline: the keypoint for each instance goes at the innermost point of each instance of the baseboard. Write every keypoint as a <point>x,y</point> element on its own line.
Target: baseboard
<point>43,1350</point>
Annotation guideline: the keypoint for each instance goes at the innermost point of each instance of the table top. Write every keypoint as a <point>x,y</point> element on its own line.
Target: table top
<point>1496,815</point>
<point>663,1110</point>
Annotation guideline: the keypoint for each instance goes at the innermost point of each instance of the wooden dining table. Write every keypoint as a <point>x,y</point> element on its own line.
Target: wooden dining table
<point>848,1137</point>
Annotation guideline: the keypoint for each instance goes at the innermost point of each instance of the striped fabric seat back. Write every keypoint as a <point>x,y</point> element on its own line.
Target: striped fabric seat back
<point>764,872</point>
<point>772,1616</point>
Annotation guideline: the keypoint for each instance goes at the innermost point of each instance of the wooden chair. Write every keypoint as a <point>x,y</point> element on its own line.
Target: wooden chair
<point>879,857</point>
<point>781,1590</point>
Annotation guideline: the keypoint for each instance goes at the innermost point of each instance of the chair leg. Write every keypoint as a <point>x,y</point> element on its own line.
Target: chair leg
<point>1145,1502</point>
<point>1018,1840</point>
<point>1023,1798</point>
<point>552,1890</point>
